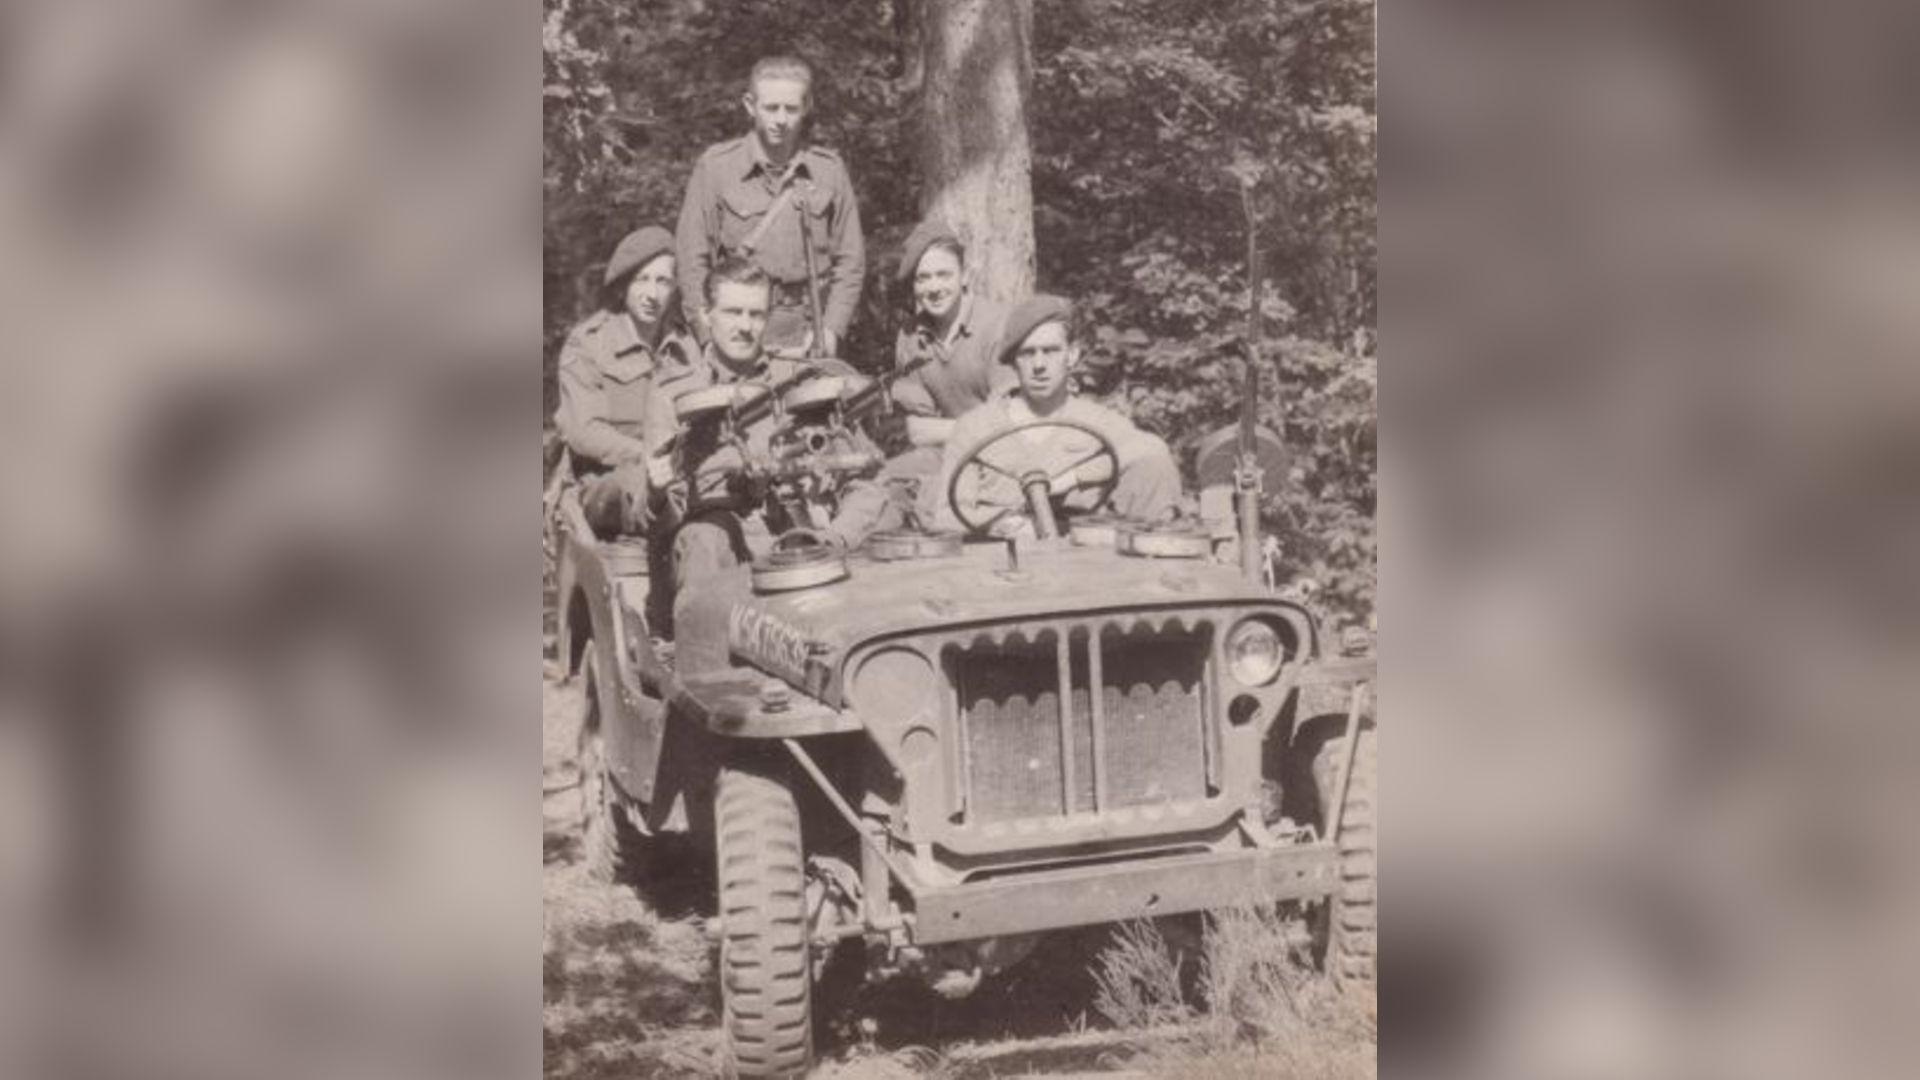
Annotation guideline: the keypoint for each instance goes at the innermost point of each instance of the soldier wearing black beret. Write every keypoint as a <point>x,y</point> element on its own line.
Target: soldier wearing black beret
<point>606,366</point>
<point>1040,344</point>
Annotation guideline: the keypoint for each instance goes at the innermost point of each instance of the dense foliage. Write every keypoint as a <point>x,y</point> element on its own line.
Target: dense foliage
<point>1159,127</point>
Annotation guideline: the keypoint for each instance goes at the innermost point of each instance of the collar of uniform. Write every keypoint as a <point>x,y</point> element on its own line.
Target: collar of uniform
<point>622,337</point>
<point>1019,409</point>
<point>758,162</point>
<point>718,368</point>
<point>962,324</point>
<point>678,346</point>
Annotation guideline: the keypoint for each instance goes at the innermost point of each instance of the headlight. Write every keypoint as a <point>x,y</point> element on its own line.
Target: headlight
<point>1254,652</point>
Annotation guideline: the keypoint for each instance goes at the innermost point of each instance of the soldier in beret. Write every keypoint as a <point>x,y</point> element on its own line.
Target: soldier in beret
<point>607,365</point>
<point>752,197</point>
<point>954,326</point>
<point>952,336</point>
<point>1039,343</point>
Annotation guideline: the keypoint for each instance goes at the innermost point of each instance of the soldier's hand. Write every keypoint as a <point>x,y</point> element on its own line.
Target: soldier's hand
<point>639,513</point>
<point>1085,474</point>
<point>890,429</point>
<point>635,494</point>
<point>660,470</point>
<point>1013,525</point>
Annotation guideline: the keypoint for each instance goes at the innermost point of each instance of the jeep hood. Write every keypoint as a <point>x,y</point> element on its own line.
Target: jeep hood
<point>805,636</point>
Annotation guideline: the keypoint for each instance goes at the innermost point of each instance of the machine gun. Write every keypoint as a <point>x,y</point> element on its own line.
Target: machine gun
<point>845,410</point>
<point>805,457</point>
<point>820,443</point>
<point>741,415</point>
<point>821,434</point>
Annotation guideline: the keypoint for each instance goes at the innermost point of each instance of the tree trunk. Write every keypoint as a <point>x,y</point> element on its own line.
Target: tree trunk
<point>975,161</point>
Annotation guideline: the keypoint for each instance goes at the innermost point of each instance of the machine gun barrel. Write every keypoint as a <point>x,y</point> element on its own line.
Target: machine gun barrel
<point>797,461</point>
<point>746,415</point>
<point>874,394</point>
<point>855,406</point>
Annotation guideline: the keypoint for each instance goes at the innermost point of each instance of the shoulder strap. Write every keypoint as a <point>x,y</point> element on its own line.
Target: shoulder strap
<point>752,240</point>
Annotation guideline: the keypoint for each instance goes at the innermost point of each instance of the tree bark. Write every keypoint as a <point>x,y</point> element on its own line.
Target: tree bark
<point>975,160</point>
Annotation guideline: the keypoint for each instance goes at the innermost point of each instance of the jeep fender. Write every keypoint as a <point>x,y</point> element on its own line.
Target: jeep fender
<point>742,703</point>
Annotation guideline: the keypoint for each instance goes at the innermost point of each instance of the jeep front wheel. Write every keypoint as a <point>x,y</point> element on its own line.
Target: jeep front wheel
<point>765,974</point>
<point>1352,917</point>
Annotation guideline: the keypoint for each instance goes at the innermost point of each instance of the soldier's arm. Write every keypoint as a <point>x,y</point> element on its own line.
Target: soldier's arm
<point>1131,443</point>
<point>924,424</point>
<point>1001,380</point>
<point>849,261</point>
<point>693,247</point>
<point>662,423</point>
<point>911,394</point>
<point>933,508</point>
<point>967,433</point>
<point>582,415</point>
<point>909,391</point>
<point>929,430</point>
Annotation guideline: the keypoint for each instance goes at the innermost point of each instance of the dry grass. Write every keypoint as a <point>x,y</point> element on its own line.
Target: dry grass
<point>626,992</point>
<point>1255,1007</point>
<point>1142,980</point>
<point>869,1063</point>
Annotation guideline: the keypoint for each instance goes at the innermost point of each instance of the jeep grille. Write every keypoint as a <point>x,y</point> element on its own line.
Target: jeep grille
<point>1141,739</point>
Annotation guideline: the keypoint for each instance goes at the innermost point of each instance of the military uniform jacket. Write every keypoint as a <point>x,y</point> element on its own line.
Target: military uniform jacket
<point>734,187</point>
<point>605,374</point>
<point>964,372</point>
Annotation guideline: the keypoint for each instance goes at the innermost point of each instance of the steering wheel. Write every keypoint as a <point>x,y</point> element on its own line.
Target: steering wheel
<point>1035,483</point>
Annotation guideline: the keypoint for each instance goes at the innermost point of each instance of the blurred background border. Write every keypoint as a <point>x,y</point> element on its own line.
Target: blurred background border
<point>1647,595</point>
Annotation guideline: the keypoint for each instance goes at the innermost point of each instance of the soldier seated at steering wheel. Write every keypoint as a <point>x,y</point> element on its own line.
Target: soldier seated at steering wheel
<point>1011,463</point>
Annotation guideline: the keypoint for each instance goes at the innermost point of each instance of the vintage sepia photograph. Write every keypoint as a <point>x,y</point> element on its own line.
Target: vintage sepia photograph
<point>959,538</point>
<point>961,631</point>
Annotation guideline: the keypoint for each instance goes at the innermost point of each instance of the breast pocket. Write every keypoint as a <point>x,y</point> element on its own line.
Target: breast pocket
<point>741,209</point>
<point>626,396</point>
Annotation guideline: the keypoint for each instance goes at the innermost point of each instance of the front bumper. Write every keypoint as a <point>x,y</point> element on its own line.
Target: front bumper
<point>1083,896</point>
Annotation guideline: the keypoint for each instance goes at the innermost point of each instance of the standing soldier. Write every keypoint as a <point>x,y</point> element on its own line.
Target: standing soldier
<point>783,205</point>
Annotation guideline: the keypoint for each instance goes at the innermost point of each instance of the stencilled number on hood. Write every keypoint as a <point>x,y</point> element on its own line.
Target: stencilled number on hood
<point>754,633</point>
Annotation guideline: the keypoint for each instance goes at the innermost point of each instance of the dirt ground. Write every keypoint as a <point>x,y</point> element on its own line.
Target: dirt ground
<point>630,988</point>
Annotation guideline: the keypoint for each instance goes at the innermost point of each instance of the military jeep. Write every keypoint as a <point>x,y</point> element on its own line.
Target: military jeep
<point>930,751</point>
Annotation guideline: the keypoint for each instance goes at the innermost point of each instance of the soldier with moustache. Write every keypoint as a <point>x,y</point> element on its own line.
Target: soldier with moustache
<point>721,517</point>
